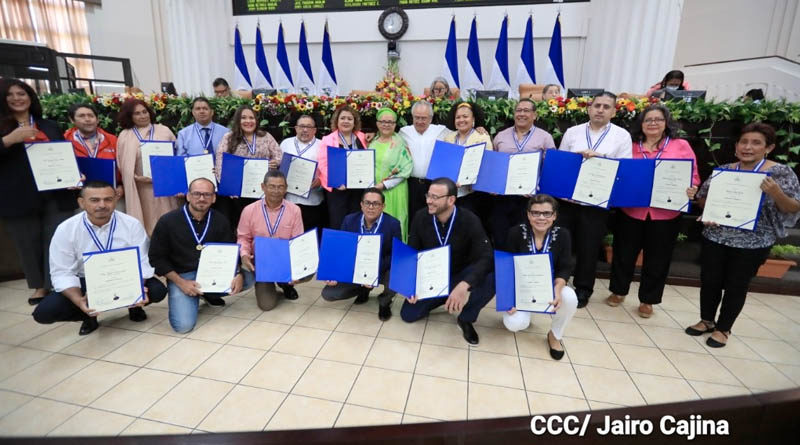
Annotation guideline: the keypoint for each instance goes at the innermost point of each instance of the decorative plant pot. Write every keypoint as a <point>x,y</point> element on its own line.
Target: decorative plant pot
<point>610,256</point>
<point>775,268</point>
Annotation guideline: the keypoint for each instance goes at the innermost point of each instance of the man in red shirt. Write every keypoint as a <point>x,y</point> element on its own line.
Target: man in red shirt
<point>89,140</point>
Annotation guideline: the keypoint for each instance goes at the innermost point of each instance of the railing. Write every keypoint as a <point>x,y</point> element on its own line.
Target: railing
<point>127,75</point>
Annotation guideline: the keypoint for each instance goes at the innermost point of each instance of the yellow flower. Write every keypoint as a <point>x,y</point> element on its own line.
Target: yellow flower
<point>257,108</point>
<point>560,110</point>
<point>572,106</point>
<point>106,101</point>
<point>406,103</point>
<point>552,102</point>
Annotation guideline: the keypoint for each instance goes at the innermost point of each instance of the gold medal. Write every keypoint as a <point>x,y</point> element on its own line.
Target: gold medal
<point>199,247</point>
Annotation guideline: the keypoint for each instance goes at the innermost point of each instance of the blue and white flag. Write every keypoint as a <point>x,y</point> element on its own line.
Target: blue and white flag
<point>261,78</point>
<point>554,72</point>
<point>473,79</point>
<point>305,78</point>
<point>500,79</point>
<point>525,70</point>
<point>326,81</point>
<point>283,79</point>
<point>450,66</point>
<point>241,77</point>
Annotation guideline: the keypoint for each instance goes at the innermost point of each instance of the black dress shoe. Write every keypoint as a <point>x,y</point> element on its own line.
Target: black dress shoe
<point>290,293</point>
<point>362,297</point>
<point>469,332</point>
<point>88,326</point>
<point>385,312</point>
<point>34,301</point>
<point>582,302</point>
<point>137,314</point>
<point>215,301</point>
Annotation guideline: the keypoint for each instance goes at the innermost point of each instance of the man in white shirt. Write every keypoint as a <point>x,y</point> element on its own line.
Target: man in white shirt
<point>98,228</point>
<point>202,137</point>
<point>306,145</point>
<point>420,139</point>
<point>587,224</point>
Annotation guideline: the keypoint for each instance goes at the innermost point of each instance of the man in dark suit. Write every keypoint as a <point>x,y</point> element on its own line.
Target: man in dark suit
<point>370,220</point>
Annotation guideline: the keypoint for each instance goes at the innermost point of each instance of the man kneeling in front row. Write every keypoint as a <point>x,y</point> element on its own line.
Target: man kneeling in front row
<point>98,228</point>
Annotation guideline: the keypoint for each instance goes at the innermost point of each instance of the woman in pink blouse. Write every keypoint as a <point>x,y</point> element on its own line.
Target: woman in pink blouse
<point>248,141</point>
<point>345,133</point>
<point>645,228</point>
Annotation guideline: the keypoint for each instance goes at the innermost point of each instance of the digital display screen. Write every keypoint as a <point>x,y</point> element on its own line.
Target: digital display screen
<point>246,7</point>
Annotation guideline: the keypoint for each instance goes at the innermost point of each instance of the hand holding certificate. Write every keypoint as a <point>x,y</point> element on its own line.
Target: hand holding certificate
<point>300,173</point>
<point>524,282</point>
<point>671,178</point>
<point>113,278</point>
<point>349,257</point>
<point>53,165</point>
<point>154,148</point>
<point>217,267</point>
<point>734,198</point>
<point>423,274</point>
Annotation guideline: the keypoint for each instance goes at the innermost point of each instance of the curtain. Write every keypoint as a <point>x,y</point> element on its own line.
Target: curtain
<point>60,24</point>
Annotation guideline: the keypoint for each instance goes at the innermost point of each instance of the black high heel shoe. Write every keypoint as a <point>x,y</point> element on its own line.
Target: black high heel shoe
<point>697,332</point>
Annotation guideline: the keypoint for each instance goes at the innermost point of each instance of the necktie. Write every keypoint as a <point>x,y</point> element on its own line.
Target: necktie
<point>206,135</point>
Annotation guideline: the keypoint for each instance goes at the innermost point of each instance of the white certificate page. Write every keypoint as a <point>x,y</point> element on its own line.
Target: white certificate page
<point>595,181</point>
<point>303,255</point>
<point>154,148</point>
<point>300,176</point>
<point>533,282</point>
<point>201,166</point>
<point>252,177</point>
<point>670,181</point>
<point>734,198</point>
<point>471,164</point>
<point>368,257</point>
<point>523,173</point>
<point>433,273</point>
<point>217,267</point>
<point>360,169</point>
<point>113,279</point>
<point>53,165</point>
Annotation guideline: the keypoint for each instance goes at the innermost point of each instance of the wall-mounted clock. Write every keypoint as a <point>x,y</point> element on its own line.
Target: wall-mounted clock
<point>393,23</point>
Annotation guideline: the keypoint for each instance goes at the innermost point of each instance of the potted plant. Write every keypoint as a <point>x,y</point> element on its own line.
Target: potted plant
<point>608,242</point>
<point>779,261</point>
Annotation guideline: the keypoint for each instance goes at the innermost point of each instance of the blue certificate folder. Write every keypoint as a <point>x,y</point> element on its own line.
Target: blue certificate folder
<point>493,175</point>
<point>403,278</point>
<point>286,162</point>
<point>634,183</point>
<point>505,284</point>
<point>337,256</point>
<point>169,174</point>
<point>272,259</point>
<point>337,166</point>
<point>446,160</point>
<point>88,256</point>
<point>559,173</point>
<point>230,177</point>
<point>96,169</point>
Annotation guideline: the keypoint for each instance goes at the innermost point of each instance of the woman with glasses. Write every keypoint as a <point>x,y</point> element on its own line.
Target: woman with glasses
<point>653,231</point>
<point>440,89</point>
<point>393,166</point>
<point>248,141</point>
<point>539,235</point>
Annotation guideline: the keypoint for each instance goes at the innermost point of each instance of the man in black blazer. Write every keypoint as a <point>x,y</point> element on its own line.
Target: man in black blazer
<point>371,219</point>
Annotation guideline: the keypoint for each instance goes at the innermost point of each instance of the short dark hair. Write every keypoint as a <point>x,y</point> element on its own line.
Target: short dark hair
<point>95,184</point>
<point>543,198</point>
<point>220,81</point>
<point>759,127</point>
<point>75,107</point>
<point>674,74</point>
<point>274,174</point>
<point>125,116</point>
<point>202,179</point>
<point>373,190</point>
<point>529,100</point>
<point>671,127</point>
<point>452,190</point>
<point>607,94</point>
<point>201,99</point>
<point>296,119</point>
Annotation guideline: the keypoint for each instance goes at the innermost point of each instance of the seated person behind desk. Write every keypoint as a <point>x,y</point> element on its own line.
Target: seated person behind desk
<point>370,220</point>
<point>175,255</point>
<point>273,217</point>
<point>673,80</point>
<point>98,228</point>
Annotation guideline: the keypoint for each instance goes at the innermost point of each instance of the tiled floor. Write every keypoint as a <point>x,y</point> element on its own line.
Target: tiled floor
<point>242,369</point>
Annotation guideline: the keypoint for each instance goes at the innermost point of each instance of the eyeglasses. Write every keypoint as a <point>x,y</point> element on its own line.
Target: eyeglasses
<point>372,204</point>
<point>439,89</point>
<point>386,122</point>
<point>433,197</point>
<point>536,214</point>
<point>276,187</point>
<point>305,127</point>
<point>654,120</point>
<point>524,110</point>
<point>201,195</point>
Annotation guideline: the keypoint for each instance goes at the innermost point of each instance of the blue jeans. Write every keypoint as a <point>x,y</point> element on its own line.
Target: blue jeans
<point>183,308</point>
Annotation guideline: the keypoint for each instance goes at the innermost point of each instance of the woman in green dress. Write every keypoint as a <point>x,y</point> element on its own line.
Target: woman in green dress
<point>393,166</point>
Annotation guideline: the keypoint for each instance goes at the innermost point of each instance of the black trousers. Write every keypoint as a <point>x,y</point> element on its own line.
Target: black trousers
<point>506,211</point>
<point>57,307</point>
<point>729,270</point>
<point>232,209</point>
<point>417,188</point>
<point>340,204</point>
<point>587,225</point>
<point>479,296</point>
<point>314,216</point>
<point>656,238</point>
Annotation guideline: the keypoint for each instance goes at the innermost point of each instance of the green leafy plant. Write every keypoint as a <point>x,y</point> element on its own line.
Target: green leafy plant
<point>784,251</point>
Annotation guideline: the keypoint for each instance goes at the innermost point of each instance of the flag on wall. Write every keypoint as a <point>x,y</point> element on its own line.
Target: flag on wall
<point>305,78</point>
<point>241,77</point>
<point>283,80</point>
<point>473,79</point>
<point>500,79</point>
<point>327,85</point>
<point>261,78</point>
<point>525,70</point>
<point>450,66</point>
<point>554,72</point>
